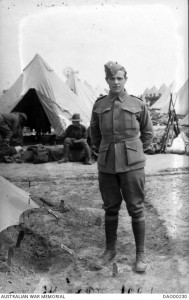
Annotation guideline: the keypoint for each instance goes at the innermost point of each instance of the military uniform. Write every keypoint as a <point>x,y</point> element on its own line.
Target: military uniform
<point>73,132</point>
<point>121,129</point>
<point>11,125</point>
<point>76,138</point>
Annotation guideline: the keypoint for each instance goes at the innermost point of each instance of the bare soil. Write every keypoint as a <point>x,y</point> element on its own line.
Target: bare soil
<point>41,265</point>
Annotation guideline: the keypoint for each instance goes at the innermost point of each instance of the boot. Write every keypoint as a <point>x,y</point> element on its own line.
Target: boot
<point>87,162</point>
<point>88,159</point>
<point>138,226</point>
<point>140,264</point>
<point>65,159</point>
<point>111,224</point>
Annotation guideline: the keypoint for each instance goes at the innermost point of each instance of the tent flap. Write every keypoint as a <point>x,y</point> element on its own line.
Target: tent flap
<point>13,203</point>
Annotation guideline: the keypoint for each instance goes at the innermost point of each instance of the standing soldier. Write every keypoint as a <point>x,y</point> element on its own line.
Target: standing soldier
<point>121,130</point>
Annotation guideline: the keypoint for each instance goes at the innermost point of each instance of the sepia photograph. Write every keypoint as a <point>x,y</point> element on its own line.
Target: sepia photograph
<point>94,148</point>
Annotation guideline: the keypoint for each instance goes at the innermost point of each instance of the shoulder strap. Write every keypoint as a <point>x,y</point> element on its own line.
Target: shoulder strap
<point>100,98</point>
<point>136,97</point>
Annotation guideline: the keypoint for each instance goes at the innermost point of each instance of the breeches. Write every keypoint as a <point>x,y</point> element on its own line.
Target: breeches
<point>127,186</point>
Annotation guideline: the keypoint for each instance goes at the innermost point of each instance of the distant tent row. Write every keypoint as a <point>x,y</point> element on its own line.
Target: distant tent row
<point>165,97</point>
<point>155,90</point>
<point>162,89</point>
<point>39,89</point>
<point>152,92</point>
<point>180,100</point>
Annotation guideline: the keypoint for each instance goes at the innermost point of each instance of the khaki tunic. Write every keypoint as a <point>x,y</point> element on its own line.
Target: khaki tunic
<point>76,132</point>
<point>120,128</point>
<point>10,125</point>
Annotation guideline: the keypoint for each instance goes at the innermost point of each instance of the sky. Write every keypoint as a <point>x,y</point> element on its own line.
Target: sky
<point>148,37</point>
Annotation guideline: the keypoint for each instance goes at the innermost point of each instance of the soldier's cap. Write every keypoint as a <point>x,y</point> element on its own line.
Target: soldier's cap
<point>111,68</point>
<point>75,117</point>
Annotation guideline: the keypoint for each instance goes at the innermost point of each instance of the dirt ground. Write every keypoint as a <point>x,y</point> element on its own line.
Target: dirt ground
<point>41,265</point>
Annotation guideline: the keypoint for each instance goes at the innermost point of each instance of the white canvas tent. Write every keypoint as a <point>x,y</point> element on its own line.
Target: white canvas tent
<point>145,93</point>
<point>13,202</point>
<point>101,91</point>
<point>163,101</point>
<point>86,97</point>
<point>154,91</point>
<point>91,89</point>
<point>181,101</point>
<point>185,121</point>
<point>38,87</point>
<point>162,89</point>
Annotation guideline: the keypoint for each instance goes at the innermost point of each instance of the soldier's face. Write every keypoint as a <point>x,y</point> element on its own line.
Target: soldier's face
<point>75,123</point>
<point>117,82</point>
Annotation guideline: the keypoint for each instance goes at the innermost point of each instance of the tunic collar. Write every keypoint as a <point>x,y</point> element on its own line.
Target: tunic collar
<point>121,96</point>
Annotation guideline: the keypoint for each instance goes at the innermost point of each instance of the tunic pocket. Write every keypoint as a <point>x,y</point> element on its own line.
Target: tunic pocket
<point>130,118</point>
<point>104,114</point>
<point>135,153</point>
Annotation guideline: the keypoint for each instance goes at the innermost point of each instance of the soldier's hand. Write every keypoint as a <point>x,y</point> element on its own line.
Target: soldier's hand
<point>77,141</point>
